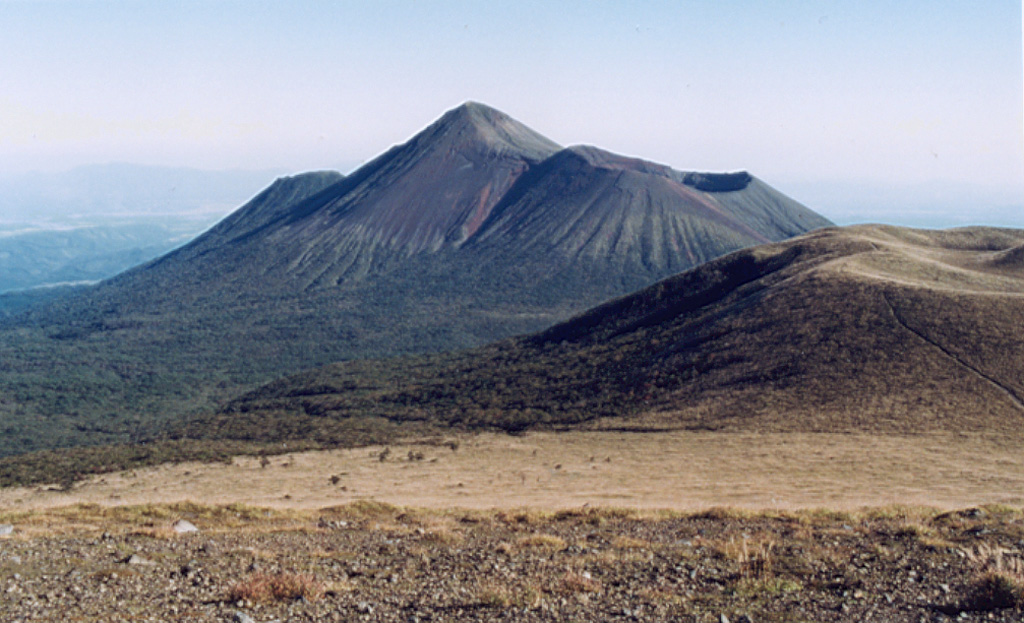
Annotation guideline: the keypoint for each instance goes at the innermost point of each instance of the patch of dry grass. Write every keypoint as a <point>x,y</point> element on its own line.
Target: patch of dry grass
<point>544,542</point>
<point>577,582</point>
<point>629,542</point>
<point>999,581</point>
<point>786,471</point>
<point>265,588</point>
<point>492,594</point>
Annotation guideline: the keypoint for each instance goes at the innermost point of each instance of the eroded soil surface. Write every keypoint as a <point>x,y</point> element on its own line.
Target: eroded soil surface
<point>373,562</point>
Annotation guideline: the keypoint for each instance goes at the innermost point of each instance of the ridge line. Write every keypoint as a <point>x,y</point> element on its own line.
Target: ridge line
<point>1006,390</point>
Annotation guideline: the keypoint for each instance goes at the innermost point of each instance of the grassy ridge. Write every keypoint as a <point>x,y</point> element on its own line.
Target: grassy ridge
<point>861,329</point>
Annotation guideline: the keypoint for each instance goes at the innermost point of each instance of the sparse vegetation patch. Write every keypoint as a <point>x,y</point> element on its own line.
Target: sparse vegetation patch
<point>377,562</point>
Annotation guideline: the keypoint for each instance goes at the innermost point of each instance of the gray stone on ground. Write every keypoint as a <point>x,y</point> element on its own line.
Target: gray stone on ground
<point>135,559</point>
<point>5,529</point>
<point>241,617</point>
<point>182,526</point>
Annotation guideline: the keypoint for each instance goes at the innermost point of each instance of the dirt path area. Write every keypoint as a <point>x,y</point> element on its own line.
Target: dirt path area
<point>671,470</point>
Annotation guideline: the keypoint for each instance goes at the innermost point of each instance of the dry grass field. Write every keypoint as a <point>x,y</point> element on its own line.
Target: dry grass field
<point>679,470</point>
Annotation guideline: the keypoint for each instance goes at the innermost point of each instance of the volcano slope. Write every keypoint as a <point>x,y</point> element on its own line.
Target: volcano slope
<point>475,229</point>
<point>868,328</point>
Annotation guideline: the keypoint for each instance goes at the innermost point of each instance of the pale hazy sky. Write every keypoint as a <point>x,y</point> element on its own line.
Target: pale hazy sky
<point>883,92</point>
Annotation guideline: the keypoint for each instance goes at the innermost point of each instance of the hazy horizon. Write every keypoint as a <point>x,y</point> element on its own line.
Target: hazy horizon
<point>821,100</point>
<point>845,202</point>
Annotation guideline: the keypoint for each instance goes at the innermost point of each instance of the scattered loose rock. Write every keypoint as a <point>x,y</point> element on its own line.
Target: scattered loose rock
<point>135,559</point>
<point>183,526</point>
<point>390,566</point>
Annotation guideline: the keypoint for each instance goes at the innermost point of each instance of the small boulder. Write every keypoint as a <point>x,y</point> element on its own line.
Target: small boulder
<point>135,559</point>
<point>183,526</point>
<point>241,617</point>
<point>6,529</point>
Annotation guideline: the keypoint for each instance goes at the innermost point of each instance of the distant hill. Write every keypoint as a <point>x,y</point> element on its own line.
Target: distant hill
<point>74,254</point>
<point>16,302</point>
<point>475,229</point>
<point>93,222</point>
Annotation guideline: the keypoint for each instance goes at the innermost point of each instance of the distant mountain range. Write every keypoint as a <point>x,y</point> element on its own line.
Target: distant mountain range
<point>475,229</point>
<point>93,222</point>
<point>44,257</point>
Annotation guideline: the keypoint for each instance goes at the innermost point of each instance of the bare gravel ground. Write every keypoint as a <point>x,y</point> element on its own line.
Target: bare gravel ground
<point>373,562</point>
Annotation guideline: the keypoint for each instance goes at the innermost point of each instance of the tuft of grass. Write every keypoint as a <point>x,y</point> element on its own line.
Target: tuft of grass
<point>993,558</point>
<point>548,542</point>
<point>629,542</point>
<point>268,588</point>
<point>771,587</point>
<point>162,533</point>
<point>999,582</point>
<point>994,590</point>
<point>577,582</point>
<point>442,536</point>
<point>915,530</point>
<point>755,557</point>
<point>495,595</point>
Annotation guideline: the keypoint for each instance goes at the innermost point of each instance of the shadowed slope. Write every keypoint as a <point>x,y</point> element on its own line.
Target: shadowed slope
<point>863,328</point>
<point>635,218</point>
<point>870,329</point>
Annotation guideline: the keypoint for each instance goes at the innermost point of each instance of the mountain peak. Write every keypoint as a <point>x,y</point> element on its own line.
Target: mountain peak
<point>476,125</point>
<point>602,159</point>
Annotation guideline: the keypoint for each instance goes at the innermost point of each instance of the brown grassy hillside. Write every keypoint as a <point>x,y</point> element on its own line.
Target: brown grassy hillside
<point>865,328</point>
<point>869,329</point>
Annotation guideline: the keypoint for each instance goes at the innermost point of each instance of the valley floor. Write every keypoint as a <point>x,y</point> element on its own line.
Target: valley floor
<point>679,470</point>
